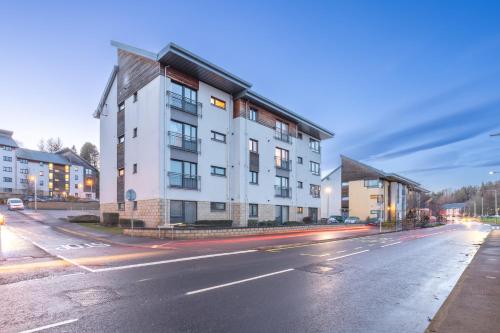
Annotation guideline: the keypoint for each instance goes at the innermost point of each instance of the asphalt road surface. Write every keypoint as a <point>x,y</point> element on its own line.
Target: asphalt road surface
<point>378,283</point>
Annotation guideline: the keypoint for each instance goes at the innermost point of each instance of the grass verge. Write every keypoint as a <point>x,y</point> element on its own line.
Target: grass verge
<point>99,227</point>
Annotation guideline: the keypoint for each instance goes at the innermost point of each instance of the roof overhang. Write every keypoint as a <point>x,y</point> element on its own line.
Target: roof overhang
<point>191,64</point>
<point>102,102</point>
<point>304,125</point>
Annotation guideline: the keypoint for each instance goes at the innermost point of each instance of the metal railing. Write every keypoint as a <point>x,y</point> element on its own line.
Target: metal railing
<point>283,164</point>
<point>316,192</point>
<point>282,191</point>
<point>184,142</point>
<point>184,103</point>
<point>188,182</point>
<point>282,135</point>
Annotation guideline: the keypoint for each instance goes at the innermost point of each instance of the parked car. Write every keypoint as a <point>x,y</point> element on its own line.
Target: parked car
<point>335,219</point>
<point>15,203</point>
<point>374,221</point>
<point>352,219</point>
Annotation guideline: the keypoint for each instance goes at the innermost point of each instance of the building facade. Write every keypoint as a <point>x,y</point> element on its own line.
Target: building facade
<point>52,175</point>
<point>357,189</point>
<point>195,143</point>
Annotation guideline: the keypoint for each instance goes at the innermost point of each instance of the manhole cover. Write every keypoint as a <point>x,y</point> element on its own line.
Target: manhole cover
<point>92,296</point>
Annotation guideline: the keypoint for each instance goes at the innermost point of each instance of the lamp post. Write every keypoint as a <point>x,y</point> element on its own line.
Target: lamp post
<point>90,183</point>
<point>33,179</point>
<point>328,190</point>
<point>496,202</point>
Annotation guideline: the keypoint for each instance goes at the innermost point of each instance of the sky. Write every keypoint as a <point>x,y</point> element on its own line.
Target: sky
<point>411,87</point>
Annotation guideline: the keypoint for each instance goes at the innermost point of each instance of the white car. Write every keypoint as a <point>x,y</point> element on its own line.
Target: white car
<point>352,219</point>
<point>15,203</point>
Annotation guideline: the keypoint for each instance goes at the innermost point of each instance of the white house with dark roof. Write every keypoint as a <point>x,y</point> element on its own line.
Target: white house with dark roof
<point>196,143</point>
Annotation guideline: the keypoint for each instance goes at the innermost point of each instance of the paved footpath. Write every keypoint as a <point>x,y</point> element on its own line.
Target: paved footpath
<point>474,303</point>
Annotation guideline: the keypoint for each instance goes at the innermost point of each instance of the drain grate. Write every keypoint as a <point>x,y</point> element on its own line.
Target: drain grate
<point>92,296</point>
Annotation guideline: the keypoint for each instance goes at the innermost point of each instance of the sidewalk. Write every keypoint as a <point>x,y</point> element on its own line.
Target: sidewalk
<point>474,303</point>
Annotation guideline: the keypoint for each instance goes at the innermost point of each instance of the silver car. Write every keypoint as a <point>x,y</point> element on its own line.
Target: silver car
<point>15,204</point>
<point>352,219</point>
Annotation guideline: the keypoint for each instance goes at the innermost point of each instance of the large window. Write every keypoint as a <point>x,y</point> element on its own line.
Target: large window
<point>372,183</point>
<point>253,145</point>
<point>314,167</point>
<point>183,174</point>
<point>183,136</point>
<point>218,171</point>
<point>252,114</point>
<point>218,102</point>
<point>314,145</point>
<point>315,190</point>
<point>281,186</point>
<point>9,179</point>
<point>216,136</point>
<point>282,131</point>
<point>7,158</point>
<point>183,211</point>
<point>282,214</point>
<point>253,210</point>
<point>7,169</point>
<point>183,93</point>
<point>7,148</point>
<point>282,160</point>
<point>254,177</point>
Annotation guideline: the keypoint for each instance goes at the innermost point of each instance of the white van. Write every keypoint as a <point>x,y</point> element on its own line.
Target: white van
<point>15,203</point>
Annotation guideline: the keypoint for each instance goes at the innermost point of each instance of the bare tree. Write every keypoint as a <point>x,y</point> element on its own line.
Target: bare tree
<point>74,149</point>
<point>90,153</point>
<point>41,145</point>
<point>54,145</point>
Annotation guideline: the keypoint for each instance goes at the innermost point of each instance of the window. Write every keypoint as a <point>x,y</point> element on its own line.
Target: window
<point>252,114</point>
<point>282,214</point>
<point>76,186</point>
<point>134,169</point>
<point>281,158</point>
<point>254,177</point>
<point>217,206</point>
<point>121,172</point>
<point>7,158</point>
<point>183,174</point>
<point>253,146</point>
<point>253,210</point>
<point>314,167</point>
<point>121,139</point>
<point>88,172</point>
<point>300,210</point>
<point>76,194</point>
<point>121,107</point>
<point>372,183</point>
<point>281,187</point>
<point>121,206</point>
<point>7,169</point>
<point>9,180</point>
<point>216,136</point>
<point>134,205</point>
<point>299,136</point>
<point>22,181</point>
<point>40,182</point>
<point>41,164</point>
<point>183,211</point>
<point>134,135</point>
<point>281,132</point>
<point>7,148</point>
<point>345,184</point>
<point>135,97</point>
<point>76,177</point>
<point>314,145</point>
<point>23,161</point>
<point>218,171</point>
<point>218,102</point>
<point>184,98</point>
<point>24,171</point>
<point>300,160</point>
<point>7,189</point>
<point>76,169</point>
<point>315,190</point>
<point>345,198</point>
<point>300,184</point>
<point>41,173</point>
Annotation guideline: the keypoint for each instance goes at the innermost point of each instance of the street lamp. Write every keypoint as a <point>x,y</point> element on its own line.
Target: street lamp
<point>328,190</point>
<point>90,183</point>
<point>33,179</point>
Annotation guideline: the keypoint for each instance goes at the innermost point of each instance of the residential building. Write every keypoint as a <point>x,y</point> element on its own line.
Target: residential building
<point>357,189</point>
<point>456,209</point>
<point>195,143</point>
<point>56,175</point>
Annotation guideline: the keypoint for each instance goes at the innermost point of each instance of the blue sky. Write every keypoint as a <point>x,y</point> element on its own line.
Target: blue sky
<point>409,87</point>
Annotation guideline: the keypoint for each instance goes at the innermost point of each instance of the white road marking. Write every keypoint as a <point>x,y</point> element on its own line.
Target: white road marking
<point>315,255</point>
<point>341,251</point>
<point>390,244</point>
<point>238,282</point>
<point>76,264</point>
<point>154,263</point>
<point>144,280</point>
<point>41,328</point>
<point>347,255</point>
<point>359,247</point>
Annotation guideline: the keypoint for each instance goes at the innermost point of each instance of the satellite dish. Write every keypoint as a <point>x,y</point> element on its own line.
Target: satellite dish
<point>130,195</point>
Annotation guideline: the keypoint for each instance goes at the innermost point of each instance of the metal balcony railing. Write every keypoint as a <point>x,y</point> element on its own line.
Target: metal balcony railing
<point>283,164</point>
<point>184,142</point>
<point>184,103</point>
<point>282,191</point>
<point>282,135</point>
<point>315,193</point>
<point>188,182</point>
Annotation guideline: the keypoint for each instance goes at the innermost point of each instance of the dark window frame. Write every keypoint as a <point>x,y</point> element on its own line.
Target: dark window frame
<point>213,101</point>
<point>256,177</point>
<point>253,210</point>
<point>213,171</point>
<point>215,134</point>
<point>214,208</point>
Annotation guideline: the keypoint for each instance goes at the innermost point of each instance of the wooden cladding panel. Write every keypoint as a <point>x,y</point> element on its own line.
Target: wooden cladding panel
<point>264,116</point>
<point>134,72</point>
<point>120,189</point>
<point>120,123</point>
<point>353,171</point>
<point>182,78</point>
<point>120,155</point>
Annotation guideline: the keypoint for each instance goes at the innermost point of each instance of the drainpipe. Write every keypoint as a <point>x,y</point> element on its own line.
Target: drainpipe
<point>164,146</point>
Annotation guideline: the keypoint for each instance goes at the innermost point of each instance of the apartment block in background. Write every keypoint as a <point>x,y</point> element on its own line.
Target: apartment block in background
<point>357,189</point>
<point>195,143</point>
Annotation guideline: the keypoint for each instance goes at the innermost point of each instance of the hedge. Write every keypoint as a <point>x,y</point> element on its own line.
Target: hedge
<point>127,223</point>
<point>83,219</point>
<point>214,223</point>
<point>110,219</point>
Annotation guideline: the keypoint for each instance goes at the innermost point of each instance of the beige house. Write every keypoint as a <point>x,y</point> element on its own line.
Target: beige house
<point>357,189</point>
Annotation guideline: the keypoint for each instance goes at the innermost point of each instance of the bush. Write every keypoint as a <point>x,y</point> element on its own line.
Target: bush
<point>110,219</point>
<point>293,223</point>
<point>127,223</point>
<point>307,220</point>
<point>252,223</point>
<point>83,219</point>
<point>214,223</point>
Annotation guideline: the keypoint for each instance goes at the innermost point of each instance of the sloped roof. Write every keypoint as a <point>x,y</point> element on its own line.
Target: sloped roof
<point>40,156</point>
<point>74,159</point>
<point>6,139</point>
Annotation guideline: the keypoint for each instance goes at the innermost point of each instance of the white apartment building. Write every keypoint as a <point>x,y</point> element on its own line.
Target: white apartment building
<point>357,189</point>
<point>195,143</point>
<point>53,175</point>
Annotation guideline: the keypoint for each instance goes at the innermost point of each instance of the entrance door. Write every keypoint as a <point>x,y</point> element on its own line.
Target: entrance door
<point>190,211</point>
<point>313,214</point>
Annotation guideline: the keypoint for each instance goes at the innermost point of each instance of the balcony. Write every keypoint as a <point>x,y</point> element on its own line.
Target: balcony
<point>184,104</point>
<point>282,164</point>
<point>184,142</point>
<point>184,181</point>
<point>282,135</point>
<point>282,191</point>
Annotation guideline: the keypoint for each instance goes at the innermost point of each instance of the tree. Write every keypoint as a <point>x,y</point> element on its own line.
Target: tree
<point>54,145</point>
<point>90,154</point>
<point>41,145</point>
<point>74,149</point>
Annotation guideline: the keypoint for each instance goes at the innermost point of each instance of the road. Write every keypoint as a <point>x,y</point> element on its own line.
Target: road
<point>378,283</point>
